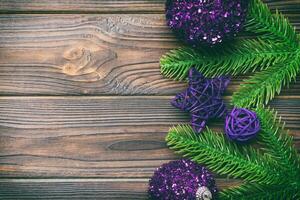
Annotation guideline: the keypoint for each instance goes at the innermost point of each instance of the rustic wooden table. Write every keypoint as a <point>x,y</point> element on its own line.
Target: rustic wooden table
<point>83,107</point>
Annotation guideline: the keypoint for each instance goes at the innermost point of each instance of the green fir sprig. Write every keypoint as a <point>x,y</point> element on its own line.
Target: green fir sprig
<point>269,172</point>
<point>273,27</point>
<point>263,86</point>
<point>238,57</point>
<point>277,143</point>
<point>274,52</point>
<point>254,191</point>
<point>221,155</point>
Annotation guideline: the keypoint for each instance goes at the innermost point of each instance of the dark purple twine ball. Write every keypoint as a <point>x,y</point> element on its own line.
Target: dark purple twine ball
<point>181,180</point>
<point>206,21</point>
<point>242,125</point>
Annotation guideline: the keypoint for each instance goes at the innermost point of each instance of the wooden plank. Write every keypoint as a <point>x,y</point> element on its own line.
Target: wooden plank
<point>80,188</point>
<point>104,6</point>
<point>67,137</point>
<point>83,54</point>
<point>81,6</point>
<point>88,54</point>
<point>105,137</point>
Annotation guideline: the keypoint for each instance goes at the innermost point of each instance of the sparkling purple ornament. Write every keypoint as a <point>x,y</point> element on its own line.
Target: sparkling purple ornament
<point>242,125</point>
<point>202,99</point>
<point>182,180</point>
<point>206,21</point>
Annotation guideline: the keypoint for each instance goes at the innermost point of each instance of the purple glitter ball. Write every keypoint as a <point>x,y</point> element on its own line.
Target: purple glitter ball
<point>206,21</point>
<point>242,125</point>
<point>202,99</point>
<point>180,180</point>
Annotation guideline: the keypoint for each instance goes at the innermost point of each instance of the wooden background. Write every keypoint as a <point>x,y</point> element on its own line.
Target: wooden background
<point>83,107</point>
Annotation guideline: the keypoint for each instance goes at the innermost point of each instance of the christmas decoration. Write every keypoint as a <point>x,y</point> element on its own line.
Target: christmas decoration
<point>182,180</point>
<point>268,172</point>
<point>206,22</point>
<point>241,125</point>
<point>269,169</point>
<point>202,99</point>
<point>274,52</point>
<point>203,193</point>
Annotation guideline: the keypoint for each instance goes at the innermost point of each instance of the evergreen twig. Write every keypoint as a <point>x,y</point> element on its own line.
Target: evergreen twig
<point>270,172</point>
<point>278,143</point>
<point>273,171</point>
<point>274,27</point>
<point>252,191</point>
<point>263,86</point>
<point>275,52</point>
<point>222,156</point>
<point>240,57</point>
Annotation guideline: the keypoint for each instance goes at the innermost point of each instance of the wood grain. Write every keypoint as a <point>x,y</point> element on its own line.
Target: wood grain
<point>89,55</point>
<point>83,54</point>
<point>73,189</point>
<point>81,6</point>
<point>112,189</point>
<point>104,6</point>
<point>80,147</point>
<point>105,137</point>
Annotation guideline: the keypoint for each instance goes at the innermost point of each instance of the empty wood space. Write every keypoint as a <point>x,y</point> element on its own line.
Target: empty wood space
<point>111,6</point>
<point>84,109</point>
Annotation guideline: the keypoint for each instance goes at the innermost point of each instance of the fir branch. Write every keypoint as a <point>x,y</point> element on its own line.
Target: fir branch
<point>263,86</point>
<point>274,27</point>
<point>242,56</point>
<point>252,191</point>
<point>278,143</point>
<point>234,58</point>
<point>223,156</point>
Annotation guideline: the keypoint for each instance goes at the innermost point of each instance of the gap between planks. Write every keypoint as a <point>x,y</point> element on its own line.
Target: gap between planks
<point>228,97</point>
<point>75,12</point>
<point>70,180</point>
<point>109,7</point>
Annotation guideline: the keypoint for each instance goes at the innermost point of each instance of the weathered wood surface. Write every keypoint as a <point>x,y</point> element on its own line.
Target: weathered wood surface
<point>81,6</point>
<point>103,6</point>
<point>78,188</point>
<point>83,54</point>
<point>88,54</point>
<point>73,189</point>
<point>109,137</point>
<point>95,147</point>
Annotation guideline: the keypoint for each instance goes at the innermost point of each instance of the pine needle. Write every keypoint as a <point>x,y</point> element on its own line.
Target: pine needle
<point>252,191</point>
<point>274,53</point>
<point>222,156</point>
<point>269,172</point>
<point>264,85</point>
<point>236,58</point>
<point>274,27</point>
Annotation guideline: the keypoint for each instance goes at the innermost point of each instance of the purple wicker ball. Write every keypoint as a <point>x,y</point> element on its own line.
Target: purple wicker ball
<point>181,180</point>
<point>206,21</point>
<point>242,125</point>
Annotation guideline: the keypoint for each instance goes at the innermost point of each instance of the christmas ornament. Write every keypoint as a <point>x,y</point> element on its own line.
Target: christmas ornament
<point>269,171</point>
<point>272,169</point>
<point>182,180</point>
<point>203,193</point>
<point>274,53</point>
<point>206,21</point>
<point>202,99</point>
<point>241,125</point>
